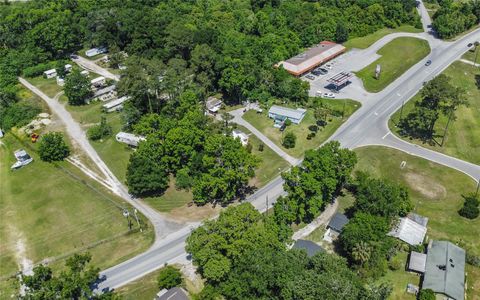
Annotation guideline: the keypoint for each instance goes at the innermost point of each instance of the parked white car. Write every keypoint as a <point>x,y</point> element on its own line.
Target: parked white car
<point>328,95</point>
<point>328,66</point>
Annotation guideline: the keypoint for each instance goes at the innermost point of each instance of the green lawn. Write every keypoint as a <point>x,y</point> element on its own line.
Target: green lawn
<point>271,164</point>
<point>48,86</point>
<point>265,125</point>
<point>147,287</point>
<point>172,198</point>
<point>436,191</point>
<point>53,211</point>
<point>463,136</point>
<point>469,55</point>
<point>397,57</point>
<point>400,278</point>
<point>368,40</point>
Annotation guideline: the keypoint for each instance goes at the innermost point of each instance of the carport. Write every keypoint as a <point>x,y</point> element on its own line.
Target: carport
<point>340,80</point>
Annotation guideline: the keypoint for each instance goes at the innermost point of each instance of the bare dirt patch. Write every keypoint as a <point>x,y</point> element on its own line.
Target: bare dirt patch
<point>194,213</point>
<point>426,186</point>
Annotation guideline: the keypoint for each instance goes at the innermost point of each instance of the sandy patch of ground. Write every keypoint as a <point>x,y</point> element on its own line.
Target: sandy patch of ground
<point>194,213</point>
<point>425,186</point>
<point>18,246</point>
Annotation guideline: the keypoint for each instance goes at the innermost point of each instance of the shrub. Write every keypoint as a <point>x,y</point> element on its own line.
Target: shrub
<point>321,123</point>
<point>288,122</point>
<point>313,128</point>
<point>38,69</point>
<point>183,180</point>
<point>472,259</point>
<point>260,147</point>
<point>289,140</point>
<point>53,147</point>
<point>470,207</point>
<point>311,135</point>
<point>169,277</point>
<point>426,294</point>
<point>17,114</point>
<point>99,131</point>
<point>249,147</point>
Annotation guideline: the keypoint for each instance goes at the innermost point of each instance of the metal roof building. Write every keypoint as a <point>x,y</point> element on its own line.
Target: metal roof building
<point>312,58</point>
<point>175,293</point>
<point>310,247</point>
<point>280,112</point>
<point>409,230</point>
<point>337,222</point>
<point>417,262</point>
<point>445,269</point>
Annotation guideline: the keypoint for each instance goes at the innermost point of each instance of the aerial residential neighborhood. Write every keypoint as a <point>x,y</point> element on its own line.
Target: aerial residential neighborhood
<point>240,149</point>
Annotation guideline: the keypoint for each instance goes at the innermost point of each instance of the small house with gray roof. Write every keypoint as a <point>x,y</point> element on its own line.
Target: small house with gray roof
<point>445,270</point>
<point>279,114</point>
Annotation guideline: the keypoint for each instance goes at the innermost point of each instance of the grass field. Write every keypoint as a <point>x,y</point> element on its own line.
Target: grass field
<point>50,211</point>
<point>397,57</point>
<point>48,86</point>
<point>263,123</point>
<point>368,40</point>
<point>469,55</point>
<point>400,278</point>
<point>436,191</point>
<point>463,136</point>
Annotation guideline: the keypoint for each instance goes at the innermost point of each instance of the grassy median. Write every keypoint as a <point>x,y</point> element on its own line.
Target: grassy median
<point>463,135</point>
<point>396,58</point>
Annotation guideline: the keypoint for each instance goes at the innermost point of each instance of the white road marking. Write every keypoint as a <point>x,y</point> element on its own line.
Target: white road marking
<point>385,135</point>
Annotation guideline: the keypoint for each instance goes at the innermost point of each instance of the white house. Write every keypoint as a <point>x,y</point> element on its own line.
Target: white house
<point>129,138</point>
<point>105,94</point>
<point>280,114</point>
<point>115,105</point>
<point>98,82</point>
<point>50,73</point>
<point>242,136</point>
<point>410,229</point>
<point>95,51</point>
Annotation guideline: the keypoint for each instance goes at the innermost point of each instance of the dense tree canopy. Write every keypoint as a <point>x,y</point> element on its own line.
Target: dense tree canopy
<point>77,88</point>
<point>315,183</point>
<point>53,147</point>
<point>455,17</point>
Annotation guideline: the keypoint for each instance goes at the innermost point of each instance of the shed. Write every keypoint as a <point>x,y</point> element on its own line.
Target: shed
<point>445,269</point>
<point>175,293</point>
<point>417,262</point>
<point>68,67</point>
<point>242,136</point>
<point>280,114</point>
<point>313,57</point>
<point>129,138</point>
<point>50,73</point>
<point>213,104</point>
<point>310,247</point>
<point>409,231</point>
<point>115,105</point>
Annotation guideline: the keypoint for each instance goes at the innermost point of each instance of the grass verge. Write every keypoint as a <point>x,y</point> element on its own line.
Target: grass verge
<point>366,41</point>
<point>463,135</point>
<point>264,124</point>
<point>397,57</point>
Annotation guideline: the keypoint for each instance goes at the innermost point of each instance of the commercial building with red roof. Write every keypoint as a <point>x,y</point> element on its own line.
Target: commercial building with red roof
<point>313,57</point>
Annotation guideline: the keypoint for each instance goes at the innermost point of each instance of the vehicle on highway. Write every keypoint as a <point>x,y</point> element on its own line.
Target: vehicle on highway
<point>470,45</point>
<point>429,62</point>
<point>309,76</point>
<point>328,95</point>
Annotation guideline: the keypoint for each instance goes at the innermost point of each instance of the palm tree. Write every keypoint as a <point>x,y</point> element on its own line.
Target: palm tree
<point>361,252</point>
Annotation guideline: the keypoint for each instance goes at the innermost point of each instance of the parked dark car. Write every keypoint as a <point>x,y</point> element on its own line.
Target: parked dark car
<point>429,62</point>
<point>469,45</point>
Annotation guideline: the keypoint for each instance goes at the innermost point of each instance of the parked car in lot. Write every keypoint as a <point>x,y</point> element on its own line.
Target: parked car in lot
<point>309,76</point>
<point>328,95</point>
<point>318,93</point>
<point>429,62</point>
<point>328,66</point>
